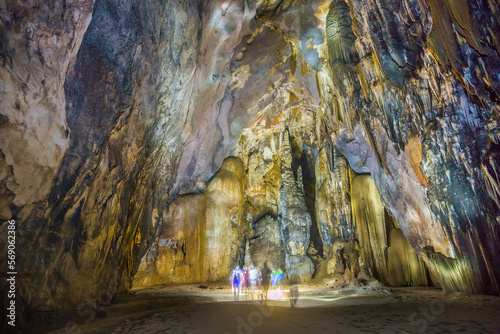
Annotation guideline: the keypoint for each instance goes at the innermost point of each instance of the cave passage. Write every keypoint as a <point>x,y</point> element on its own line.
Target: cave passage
<point>153,152</point>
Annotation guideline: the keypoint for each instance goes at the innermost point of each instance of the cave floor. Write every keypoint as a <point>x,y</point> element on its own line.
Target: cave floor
<point>210,309</point>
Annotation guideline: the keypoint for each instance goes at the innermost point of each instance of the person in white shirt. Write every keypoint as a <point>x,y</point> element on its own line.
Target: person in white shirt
<point>253,276</point>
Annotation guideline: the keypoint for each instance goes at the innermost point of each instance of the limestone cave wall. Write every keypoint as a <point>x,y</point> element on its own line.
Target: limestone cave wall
<point>254,211</point>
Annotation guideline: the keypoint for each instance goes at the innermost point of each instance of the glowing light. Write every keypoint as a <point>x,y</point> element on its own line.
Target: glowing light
<point>275,295</point>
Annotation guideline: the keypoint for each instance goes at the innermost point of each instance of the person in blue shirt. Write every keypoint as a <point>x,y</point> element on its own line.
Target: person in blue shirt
<point>236,281</point>
<point>277,276</point>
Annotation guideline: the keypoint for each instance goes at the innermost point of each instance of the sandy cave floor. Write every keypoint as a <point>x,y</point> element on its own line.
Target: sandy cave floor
<point>190,308</point>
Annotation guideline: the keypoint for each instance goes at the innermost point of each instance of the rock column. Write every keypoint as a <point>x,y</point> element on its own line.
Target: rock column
<point>293,218</point>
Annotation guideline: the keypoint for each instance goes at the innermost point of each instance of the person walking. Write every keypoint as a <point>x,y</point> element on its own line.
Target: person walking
<point>277,276</point>
<point>245,283</point>
<point>294,291</point>
<point>265,274</point>
<point>236,282</point>
<point>253,276</point>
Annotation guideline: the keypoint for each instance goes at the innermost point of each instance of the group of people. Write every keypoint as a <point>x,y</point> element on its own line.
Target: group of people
<point>244,279</point>
<point>253,278</point>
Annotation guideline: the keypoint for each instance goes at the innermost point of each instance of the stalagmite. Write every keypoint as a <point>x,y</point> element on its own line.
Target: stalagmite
<point>293,218</point>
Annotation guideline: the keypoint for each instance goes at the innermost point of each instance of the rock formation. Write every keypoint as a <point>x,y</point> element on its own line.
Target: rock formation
<point>202,235</point>
<point>266,247</point>
<point>383,247</point>
<point>293,218</point>
<point>117,116</point>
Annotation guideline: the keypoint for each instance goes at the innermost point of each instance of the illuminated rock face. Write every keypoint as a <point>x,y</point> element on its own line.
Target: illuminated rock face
<point>201,236</point>
<point>121,116</point>
<point>39,45</point>
<point>333,198</point>
<point>267,247</point>
<point>383,247</point>
<point>413,91</point>
<point>293,218</point>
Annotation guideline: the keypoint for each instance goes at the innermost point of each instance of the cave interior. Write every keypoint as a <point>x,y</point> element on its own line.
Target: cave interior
<point>352,144</point>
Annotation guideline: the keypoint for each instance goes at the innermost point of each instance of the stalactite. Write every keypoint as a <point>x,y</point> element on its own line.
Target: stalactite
<point>383,246</point>
<point>368,218</point>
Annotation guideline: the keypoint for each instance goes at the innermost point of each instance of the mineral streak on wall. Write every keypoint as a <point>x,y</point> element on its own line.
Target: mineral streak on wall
<point>383,247</point>
<point>368,217</point>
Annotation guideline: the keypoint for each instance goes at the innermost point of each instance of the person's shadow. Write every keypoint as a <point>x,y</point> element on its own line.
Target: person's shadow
<point>266,273</point>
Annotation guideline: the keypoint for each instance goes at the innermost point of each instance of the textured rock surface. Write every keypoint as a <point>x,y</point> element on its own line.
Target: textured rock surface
<point>293,218</point>
<point>111,110</point>
<point>333,199</point>
<point>120,96</point>
<point>424,75</point>
<point>384,248</point>
<point>201,236</point>
<point>38,45</point>
<point>266,247</point>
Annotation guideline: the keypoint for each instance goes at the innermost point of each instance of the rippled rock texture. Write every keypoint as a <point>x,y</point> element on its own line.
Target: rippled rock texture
<point>117,117</point>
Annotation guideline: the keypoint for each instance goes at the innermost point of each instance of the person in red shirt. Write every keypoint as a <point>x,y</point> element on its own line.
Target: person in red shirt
<point>246,282</point>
